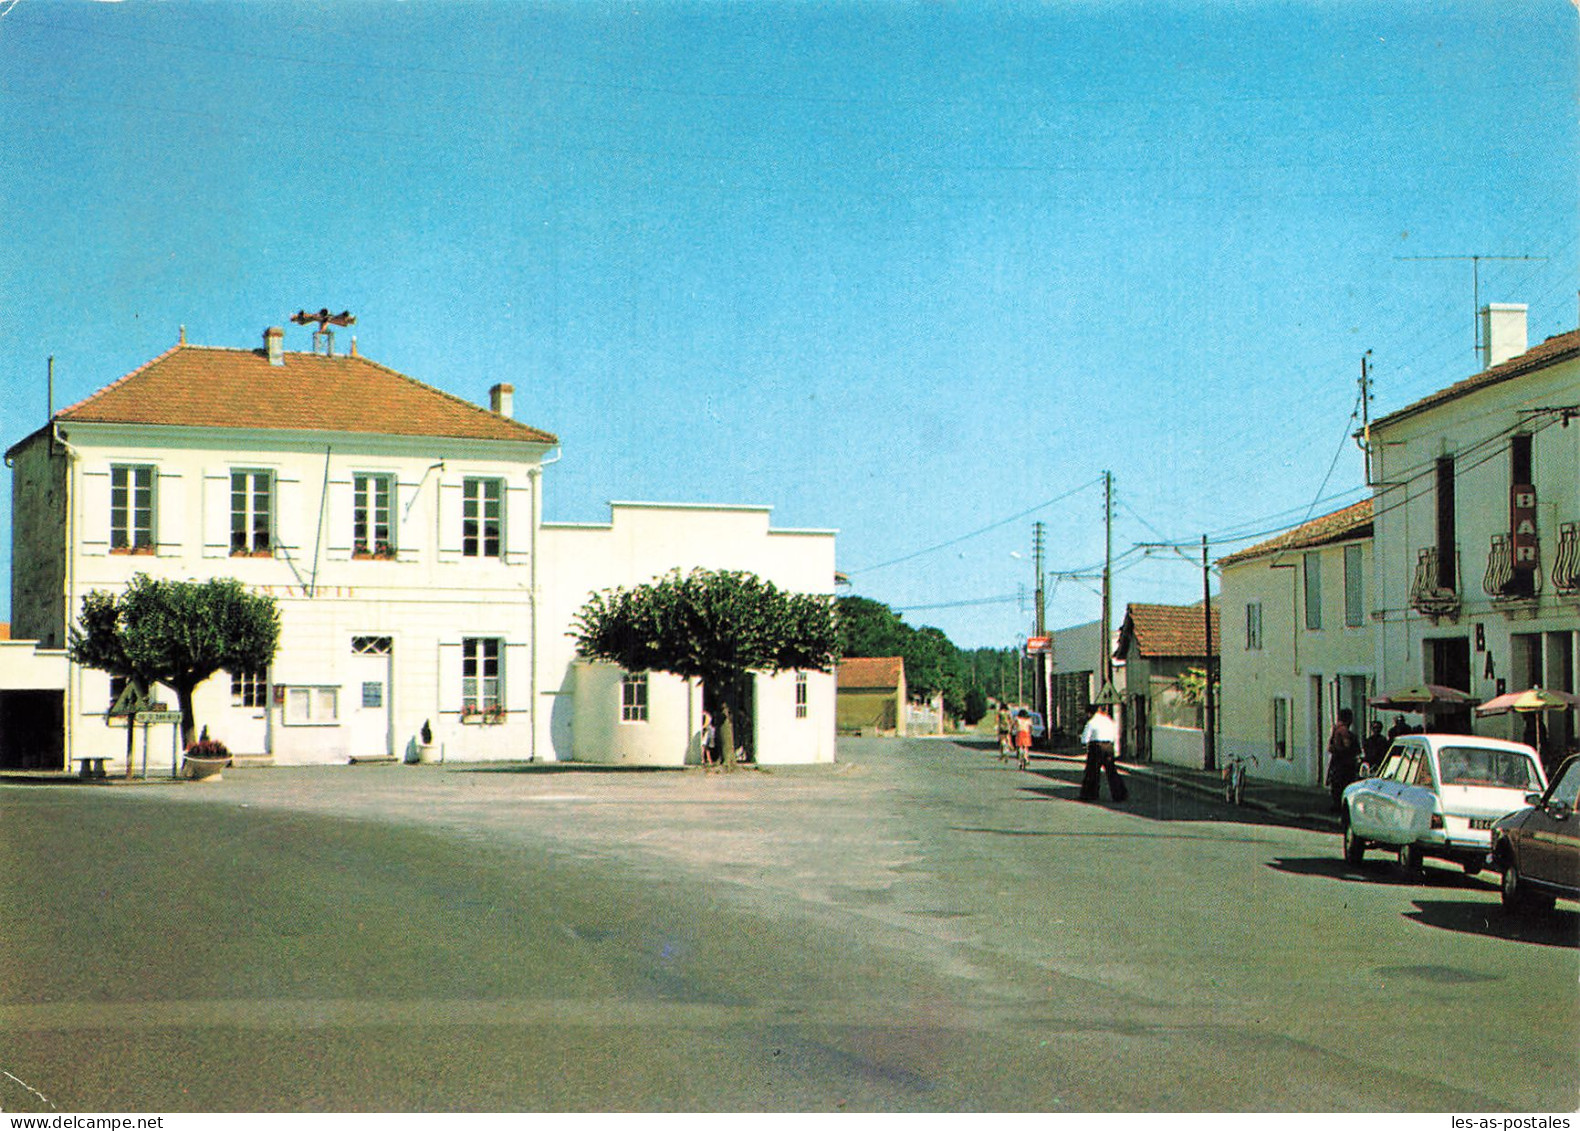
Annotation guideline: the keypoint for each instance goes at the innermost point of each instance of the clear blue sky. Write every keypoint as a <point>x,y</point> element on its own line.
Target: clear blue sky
<point>909,270</point>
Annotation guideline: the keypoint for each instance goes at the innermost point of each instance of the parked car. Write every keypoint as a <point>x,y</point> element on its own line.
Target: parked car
<point>1538,848</point>
<point>1439,795</point>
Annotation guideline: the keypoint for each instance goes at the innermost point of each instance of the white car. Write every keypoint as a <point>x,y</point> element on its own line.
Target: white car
<point>1438,795</point>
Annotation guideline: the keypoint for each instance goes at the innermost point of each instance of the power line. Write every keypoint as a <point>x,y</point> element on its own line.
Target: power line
<point>975,533</point>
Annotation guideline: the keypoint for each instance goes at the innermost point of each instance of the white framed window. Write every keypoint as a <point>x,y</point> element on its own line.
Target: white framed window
<point>251,512</point>
<point>131,509</point>
<point>482,517</point>
<point>372,532</point>
<point>249,689</point>
<point>482,689</point>
<point>311,707</point>
<point>800,695</point>
<point>633,697</point>
<point>371,645</point>
<point>1253,626</point>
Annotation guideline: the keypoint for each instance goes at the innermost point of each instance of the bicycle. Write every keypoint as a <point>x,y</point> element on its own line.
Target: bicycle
<point>1234,771</point>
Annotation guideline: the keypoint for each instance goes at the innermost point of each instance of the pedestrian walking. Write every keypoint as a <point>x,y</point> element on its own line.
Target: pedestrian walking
<point>1005,729</point>
<point>708,740</point>
<point>1344,753</point>
<point>1023,738</point>
<point>1100,737</point>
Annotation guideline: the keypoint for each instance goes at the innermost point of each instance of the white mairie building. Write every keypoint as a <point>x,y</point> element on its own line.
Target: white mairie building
<point>400,530</point>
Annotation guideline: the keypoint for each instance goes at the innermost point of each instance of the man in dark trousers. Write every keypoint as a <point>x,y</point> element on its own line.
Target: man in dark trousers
<point>1100,736</point>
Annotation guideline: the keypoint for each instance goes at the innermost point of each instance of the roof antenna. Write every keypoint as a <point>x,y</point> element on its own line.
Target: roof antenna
<point>324,319</point>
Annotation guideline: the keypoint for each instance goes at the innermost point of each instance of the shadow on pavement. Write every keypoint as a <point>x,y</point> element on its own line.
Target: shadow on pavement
<point>1552,928</point>
<point>1380,871</point>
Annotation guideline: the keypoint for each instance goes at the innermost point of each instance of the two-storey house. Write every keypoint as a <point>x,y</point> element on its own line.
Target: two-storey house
<point>1477,508</point>
<point>1298,644</point>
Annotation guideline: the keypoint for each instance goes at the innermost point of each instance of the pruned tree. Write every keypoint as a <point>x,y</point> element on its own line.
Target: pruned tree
<point>177,633</point>
<point>713,625</point>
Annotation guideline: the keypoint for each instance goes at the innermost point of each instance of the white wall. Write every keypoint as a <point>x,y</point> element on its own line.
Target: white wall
<point>641,542</point>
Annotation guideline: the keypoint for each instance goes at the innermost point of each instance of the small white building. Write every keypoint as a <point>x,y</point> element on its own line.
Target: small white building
<point>1298,643</point>
<point>1477,518</point>
<point>400,530</point>
<point>595,712</point>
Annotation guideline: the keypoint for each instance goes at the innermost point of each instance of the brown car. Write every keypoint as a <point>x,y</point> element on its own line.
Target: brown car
<point>1538,849</point>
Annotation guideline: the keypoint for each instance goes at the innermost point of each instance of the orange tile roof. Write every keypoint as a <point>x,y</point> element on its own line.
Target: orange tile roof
<point>871,673</point>
<point>1560,347</point>
<point>1354,521</point>
<point>206,387</point>
<point>1165,631</point>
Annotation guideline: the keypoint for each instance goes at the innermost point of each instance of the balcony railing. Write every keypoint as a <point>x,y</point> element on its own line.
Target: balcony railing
<point>1566,563</point>
<point>1426,595</point>
<point>1502,581</point>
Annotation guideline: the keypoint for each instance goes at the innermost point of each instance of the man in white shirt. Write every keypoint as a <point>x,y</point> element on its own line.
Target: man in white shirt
<point>1100,736</point>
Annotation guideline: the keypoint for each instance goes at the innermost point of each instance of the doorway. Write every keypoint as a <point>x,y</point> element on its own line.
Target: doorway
<point>371,710</point>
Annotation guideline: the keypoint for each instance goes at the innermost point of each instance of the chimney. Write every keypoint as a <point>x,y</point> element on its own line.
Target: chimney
<point>274,345</point>
<point>1502,332</point>
<point>502,400</point>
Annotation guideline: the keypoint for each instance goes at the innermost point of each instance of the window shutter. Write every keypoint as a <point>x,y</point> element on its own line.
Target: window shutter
<point>337,539</point>
<point>170,512</point>
<point>518,678</point>
<point>293,519</point>
<point>450,522</point>
<point>408,526</point>
<point>450,677</point>
<point>518,524</point>
<point>216,514</point>
<point>95,511</point>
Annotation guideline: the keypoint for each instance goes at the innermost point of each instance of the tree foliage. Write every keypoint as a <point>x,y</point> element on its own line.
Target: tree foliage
<point>712,625</point>
<point>177,633</point>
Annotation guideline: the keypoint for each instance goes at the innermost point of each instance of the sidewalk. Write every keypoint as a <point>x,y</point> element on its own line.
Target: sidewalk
<point>1305,805</point>
<point>1298,804</point>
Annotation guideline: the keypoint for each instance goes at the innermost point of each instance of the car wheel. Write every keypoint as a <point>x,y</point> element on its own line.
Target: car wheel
<point>1354,846</point>
<point>1517,895</point>
<point>1410,858</point>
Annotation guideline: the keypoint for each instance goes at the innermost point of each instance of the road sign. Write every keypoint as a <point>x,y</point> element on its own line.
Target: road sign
<point>146,718</point>
<point>133,698</point>
<point>1037,644</point>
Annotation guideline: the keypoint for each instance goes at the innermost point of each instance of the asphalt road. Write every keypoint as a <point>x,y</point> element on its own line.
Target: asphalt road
<point>917,928</point>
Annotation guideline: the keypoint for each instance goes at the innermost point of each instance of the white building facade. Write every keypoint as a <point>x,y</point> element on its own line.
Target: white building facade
<point>1477,504</point>
<point>398,527</point>
<point>1298,644</point>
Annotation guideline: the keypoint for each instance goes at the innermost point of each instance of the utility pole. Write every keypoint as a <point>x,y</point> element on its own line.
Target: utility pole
<point>1366,419</point>
<point>1209,745</point>
<point>1039,694</point>
<point>1108,561</point>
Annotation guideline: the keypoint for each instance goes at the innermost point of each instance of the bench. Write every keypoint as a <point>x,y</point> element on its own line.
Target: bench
<point>92,766</point>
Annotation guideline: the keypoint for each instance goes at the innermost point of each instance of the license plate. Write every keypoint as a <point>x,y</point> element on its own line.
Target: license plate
<point>1481,823</point>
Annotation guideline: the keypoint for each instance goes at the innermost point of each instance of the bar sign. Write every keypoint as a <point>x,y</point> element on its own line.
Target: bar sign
<point>1522,523</point>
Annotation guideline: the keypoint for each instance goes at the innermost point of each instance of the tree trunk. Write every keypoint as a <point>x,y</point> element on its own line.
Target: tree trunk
<point>188,719</point>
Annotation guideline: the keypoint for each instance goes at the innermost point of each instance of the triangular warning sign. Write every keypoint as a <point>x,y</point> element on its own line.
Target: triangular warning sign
<point>133,698</point>
<point>1107,696</point>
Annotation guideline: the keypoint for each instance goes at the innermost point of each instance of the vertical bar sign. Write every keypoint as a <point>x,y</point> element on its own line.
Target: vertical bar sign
<point>1522,524</point>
